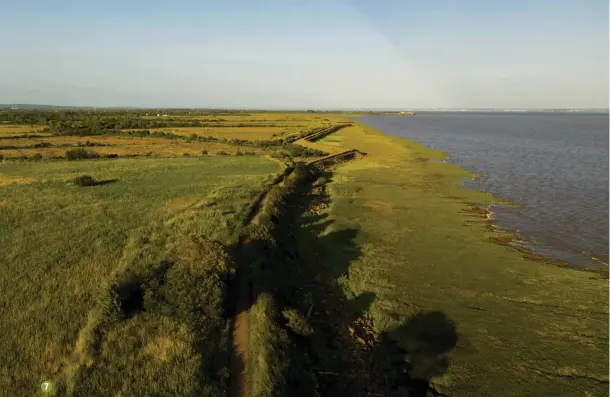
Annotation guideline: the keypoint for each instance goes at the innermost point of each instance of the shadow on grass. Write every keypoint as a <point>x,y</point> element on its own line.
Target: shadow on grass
<point>415,352</point>
<point>301,264</point>
<point>104,182</point>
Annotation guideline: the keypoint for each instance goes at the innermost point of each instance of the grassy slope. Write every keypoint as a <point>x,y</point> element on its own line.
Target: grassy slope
<point>524,328</point>
<point>62,243</point>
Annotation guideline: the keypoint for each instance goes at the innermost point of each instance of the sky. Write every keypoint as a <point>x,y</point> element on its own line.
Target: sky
<point>306,54</point>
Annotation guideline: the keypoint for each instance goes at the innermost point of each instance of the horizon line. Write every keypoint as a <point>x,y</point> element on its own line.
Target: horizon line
<point>524,109</point>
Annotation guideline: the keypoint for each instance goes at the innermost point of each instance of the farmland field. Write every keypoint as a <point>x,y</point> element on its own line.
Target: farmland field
<point>8,130</point>
<point>248,133</point>
<point>49,147</point>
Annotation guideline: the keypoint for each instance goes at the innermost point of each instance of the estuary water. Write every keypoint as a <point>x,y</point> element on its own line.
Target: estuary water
<point>554,165</point>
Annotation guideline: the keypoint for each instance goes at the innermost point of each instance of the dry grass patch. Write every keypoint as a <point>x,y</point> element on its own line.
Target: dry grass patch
<point>247,133</point>
<point>18,129</point>
<point>125,146</point>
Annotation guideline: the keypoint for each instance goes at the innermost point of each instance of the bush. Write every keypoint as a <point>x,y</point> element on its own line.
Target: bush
<point>196,284</point>
<point>297,322</point>
<point>111,156</point>
<point>222,153</point>
<point>204,152</point>
<point>185,154</point>
<point>43,145</point>
<point>84,180</point>
<point>37,157</point>
<point>79,154</point>
<point>239,154</point>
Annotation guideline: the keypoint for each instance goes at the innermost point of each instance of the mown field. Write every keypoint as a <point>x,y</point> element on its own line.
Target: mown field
<point>73,257</point>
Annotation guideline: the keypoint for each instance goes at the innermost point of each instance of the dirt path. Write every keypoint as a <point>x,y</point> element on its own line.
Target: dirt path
<point>238,386</point>
<point>240,323</point>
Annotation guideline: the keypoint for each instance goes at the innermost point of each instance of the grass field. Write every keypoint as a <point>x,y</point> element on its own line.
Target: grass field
<point>523,327</point>
<point>379,277</point>
<point>8,130</point>
<point>122,146</point>
<point>16,141</point>
<point>68,245</point>
<point>247,133</point>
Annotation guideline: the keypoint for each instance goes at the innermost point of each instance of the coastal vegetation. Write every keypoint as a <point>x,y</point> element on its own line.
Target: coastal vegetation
<point>219,253</point>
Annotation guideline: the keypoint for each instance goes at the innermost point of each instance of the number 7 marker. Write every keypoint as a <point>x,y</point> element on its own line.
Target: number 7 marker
<point>46,386</point>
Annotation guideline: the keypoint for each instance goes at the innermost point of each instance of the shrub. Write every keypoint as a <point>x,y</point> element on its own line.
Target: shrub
<point>185,154</point>
<point>37,157</point>
<point>222,153</point>
<point>79,154</point>
<point>250,153</point>
<point>43,145</point>
<point>239,154</point>
<point>280,155</point>
<point>297,322</point>
<point>196,284</point>
<point>301,172</point>
<point>111,156</point>
<point>204,152</point>
<point>84,180</point>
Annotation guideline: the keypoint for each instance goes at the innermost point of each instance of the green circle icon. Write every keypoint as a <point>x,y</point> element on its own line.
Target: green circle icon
<point>46,386</point>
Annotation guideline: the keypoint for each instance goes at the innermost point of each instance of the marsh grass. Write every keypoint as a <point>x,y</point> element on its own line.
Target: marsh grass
<point>520,322</point>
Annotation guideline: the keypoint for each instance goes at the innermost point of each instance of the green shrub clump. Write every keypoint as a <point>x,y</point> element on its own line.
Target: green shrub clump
<point>80,154</point>
<point>297,322</point>
<point>84,180</point>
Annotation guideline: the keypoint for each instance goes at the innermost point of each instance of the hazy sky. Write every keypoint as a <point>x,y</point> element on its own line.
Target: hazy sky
<point>300,54</point>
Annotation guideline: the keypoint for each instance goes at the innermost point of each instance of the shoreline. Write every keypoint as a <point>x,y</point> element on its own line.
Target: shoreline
<point>582,261</point>
<point>424,248</point>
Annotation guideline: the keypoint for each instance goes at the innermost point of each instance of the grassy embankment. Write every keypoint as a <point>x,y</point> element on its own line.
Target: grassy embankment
<point>383,279</point>
<point>110,289</point>
<point>523,327</point>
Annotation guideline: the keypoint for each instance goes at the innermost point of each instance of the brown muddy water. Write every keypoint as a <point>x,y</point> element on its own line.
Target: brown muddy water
<point>553,165</point>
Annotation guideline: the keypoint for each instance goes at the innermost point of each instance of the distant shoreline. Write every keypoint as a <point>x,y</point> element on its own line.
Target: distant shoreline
<point>26,106</point>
